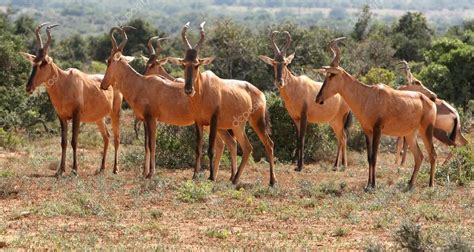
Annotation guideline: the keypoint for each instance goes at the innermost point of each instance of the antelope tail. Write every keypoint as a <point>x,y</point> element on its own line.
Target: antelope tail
<point>348,122</point>
<point>454,133</point>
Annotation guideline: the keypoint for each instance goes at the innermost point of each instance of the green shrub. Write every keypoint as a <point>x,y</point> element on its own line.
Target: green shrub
<point>409,236</point>
<point>10,140</point>
<point>460,168</point>
<point>379,75</point>
<point>175,146</point>
<point>192,192</point>
<point>319,139</point>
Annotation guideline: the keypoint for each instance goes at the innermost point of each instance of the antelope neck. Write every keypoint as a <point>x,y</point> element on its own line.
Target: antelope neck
<point>355,93</point>
<point>129,81</point>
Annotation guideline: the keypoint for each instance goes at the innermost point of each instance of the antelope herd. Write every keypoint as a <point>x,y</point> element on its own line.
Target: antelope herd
<point>223,106</point>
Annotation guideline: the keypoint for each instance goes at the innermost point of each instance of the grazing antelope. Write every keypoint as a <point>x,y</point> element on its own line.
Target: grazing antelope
<point>75,96</point>
<point>383,110</point>
<point>298,94</point>
<point>152,98</point>
<point>223,104</point>
<point>447,128</point>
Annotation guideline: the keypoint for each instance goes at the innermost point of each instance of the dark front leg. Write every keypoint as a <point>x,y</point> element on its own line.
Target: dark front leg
<point>303,125</point>
<point>212,141</point>
<point>75,133</point>
<point>197,167</point>
<point>375,147</point>
<point>62,166</point>
<point>368,141</point>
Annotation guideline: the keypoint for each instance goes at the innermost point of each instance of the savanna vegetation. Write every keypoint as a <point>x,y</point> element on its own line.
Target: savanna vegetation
<point>314,209</point>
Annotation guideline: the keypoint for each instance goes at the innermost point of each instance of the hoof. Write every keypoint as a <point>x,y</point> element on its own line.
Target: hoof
<point>273,183</point>
<point>298,169</point>
<point>231,178</point>
<point>59,174</point>
<point>150,175</point>
<point>235,181</point>
<point>74,173</point>
<point>369,189</point>
<point>98,172</point>
<point>211,178</point>
<point>115,171</point>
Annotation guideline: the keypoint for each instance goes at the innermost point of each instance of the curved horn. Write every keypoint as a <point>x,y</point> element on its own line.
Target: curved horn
<point>39,41</point>
<point>183,36</point>
<point>203,35</point>
<point>405,64</point>
<point>337,52</point>
<point>288,41</point>
<point>48,43</point>
<point>112,38</point>
<point>124,40</point>
<point>151,50</point>
<point>276,50</point>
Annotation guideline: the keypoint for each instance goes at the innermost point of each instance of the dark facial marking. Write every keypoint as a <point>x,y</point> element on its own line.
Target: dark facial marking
<point>279,71</point>
<point>188,85</point>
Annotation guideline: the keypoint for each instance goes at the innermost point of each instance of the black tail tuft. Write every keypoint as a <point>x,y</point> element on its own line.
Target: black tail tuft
<point>348,122</point>
<point>268,123</point>
<point>454,133</point>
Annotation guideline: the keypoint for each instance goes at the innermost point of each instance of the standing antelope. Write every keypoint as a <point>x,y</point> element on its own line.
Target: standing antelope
<point>298,94</point>
<point>447,128</point>
<point>223,104</point>
<point>383,110</point>
<point>77,96</point>
<point>152,98</point>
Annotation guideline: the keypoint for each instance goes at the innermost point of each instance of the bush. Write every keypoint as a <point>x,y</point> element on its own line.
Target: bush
<point>409,236</point>
<point>319,139</point>
<point>192,192</point>
<point>460,168</point>
<point>379,75</point>
<point>175,146</point>
<point>9,140</point>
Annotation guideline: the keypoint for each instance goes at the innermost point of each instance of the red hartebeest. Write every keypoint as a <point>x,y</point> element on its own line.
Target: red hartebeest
<point>447,128</point>
<point>75,96</point>
<point>223,104</point>
<point>383,110</point>
<point>298,94</point>
<point>152,98</point>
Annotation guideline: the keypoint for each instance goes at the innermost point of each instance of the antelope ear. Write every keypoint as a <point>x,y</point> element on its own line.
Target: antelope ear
<point>117,56</point>
<point>290,58</point>
<point>28,57</point>
<point>129,58</point>
<point>333,70</point>
<point>207,61</point>
<point>175,61</point>
<point>48,59</point>
<point>321,71</point>
<point>266,59</point>
<point>162,61</point>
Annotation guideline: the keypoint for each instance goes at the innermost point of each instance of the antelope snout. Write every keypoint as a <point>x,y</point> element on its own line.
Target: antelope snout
<point>319,100</point>
<point>189,91</point>
<point>279,82</point>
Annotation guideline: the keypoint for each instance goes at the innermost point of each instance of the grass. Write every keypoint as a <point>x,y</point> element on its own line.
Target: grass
<point>316,209</point>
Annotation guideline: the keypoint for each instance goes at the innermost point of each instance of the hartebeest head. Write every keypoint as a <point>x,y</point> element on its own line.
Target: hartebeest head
<point>333,82</point>
<point>414,84</point>
<point>191,62</point>
<point>154,65</point>
<point>115,57</point>
<point>279,59</point>
<point>41,62</point>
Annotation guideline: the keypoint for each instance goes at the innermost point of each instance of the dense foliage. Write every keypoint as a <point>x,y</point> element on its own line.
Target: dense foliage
<point>444,63</point>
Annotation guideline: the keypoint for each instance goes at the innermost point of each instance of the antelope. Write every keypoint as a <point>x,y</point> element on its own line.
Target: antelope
<point>383,110</point>
<point>223,104</point>
<point>75,96</point>
<point>297,93</point>
<point>447,128</point>
<point>153,98</point>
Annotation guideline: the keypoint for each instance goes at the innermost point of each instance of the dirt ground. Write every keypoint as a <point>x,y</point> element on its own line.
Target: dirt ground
<point>317,208</point>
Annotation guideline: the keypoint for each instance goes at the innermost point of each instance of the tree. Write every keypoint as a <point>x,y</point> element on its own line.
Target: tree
<point>449,70</point>
<point>412,36</point>
<point>362,23</point>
